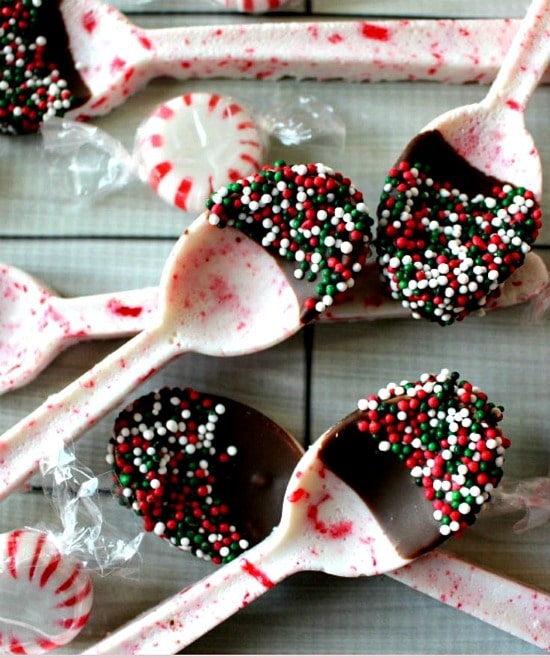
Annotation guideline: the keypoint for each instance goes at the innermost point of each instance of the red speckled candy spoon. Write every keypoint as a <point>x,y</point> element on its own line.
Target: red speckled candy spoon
<point>293,238</point>
<point>412,466</point>
<point>460,209</point>
<point>231,494</point>
<point>36,324</point>
<point>87,58</point>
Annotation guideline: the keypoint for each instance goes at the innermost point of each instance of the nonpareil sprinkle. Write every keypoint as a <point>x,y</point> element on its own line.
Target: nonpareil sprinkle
<point>446,432</point>
<point>38,78</point>
<point>170,459</point>
<point>448,235</point>
<point>309,216</point>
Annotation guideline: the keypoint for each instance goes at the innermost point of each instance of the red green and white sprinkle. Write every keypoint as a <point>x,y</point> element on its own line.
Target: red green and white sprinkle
<point>170,461</point>
<point>306,214</point>
<point>446,432</point>
<point>32,87</point>
<point>443,253</point>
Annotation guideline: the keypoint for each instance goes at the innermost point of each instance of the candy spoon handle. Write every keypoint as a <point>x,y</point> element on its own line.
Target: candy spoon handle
<point>518,609</point>
<point>173,624</point>
<point>108,315</point>
<point>506,604</point>
<point>525,62</point>
<point>352,50</point>
<point>64,416</point>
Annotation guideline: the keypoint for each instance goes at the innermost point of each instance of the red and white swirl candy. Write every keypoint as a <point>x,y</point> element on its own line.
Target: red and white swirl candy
<point>195,143</point>
<point>46,596</point>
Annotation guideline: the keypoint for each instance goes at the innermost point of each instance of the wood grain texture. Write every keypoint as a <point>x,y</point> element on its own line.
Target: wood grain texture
<point>87,245</point>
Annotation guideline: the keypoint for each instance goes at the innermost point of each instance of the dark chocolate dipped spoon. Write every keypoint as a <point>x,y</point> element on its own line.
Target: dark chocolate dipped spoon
<point>222,292</point>
<point>351,507</point>
<point>460,209</point>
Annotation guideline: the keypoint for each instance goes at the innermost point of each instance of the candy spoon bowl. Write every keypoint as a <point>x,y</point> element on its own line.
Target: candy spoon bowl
<point>222,292</point>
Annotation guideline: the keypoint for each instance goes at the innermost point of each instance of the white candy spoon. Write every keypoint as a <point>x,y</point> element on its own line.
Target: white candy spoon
<point>105,59</point>
<point>351,508</point>
<point>46,596</point>
<point>221,294</point>
<point>253,490</point>
<point>36,324</point>
<point>463,201</point>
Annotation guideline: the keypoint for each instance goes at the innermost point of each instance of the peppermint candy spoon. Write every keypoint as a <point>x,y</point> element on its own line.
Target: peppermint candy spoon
<point>46,595</point>
<point>293,239</point>
<point>412,466</point>
<point>36,324</point>
<point>87,58</point>
<point>460,209</point>
<point>225,495</point>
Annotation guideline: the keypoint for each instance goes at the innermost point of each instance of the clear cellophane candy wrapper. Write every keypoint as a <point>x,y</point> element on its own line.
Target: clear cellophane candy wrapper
<point>297,119</point>
<point>84,162</point>
<point>528,496</point>
<point>82,500</point>
<point>87,164</point>
<point>46,586</point>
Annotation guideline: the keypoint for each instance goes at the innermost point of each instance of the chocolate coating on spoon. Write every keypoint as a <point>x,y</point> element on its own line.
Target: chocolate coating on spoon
<point>38,76</point>
<point>449,234</point>
<point>204,472</point>
<point>424,456</point>
<point>311,218</point>
<point>385,485</point>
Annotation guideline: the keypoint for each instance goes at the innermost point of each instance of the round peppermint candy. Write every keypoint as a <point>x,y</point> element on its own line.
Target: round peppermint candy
<point>195,143</point>
<point>47,596</point>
